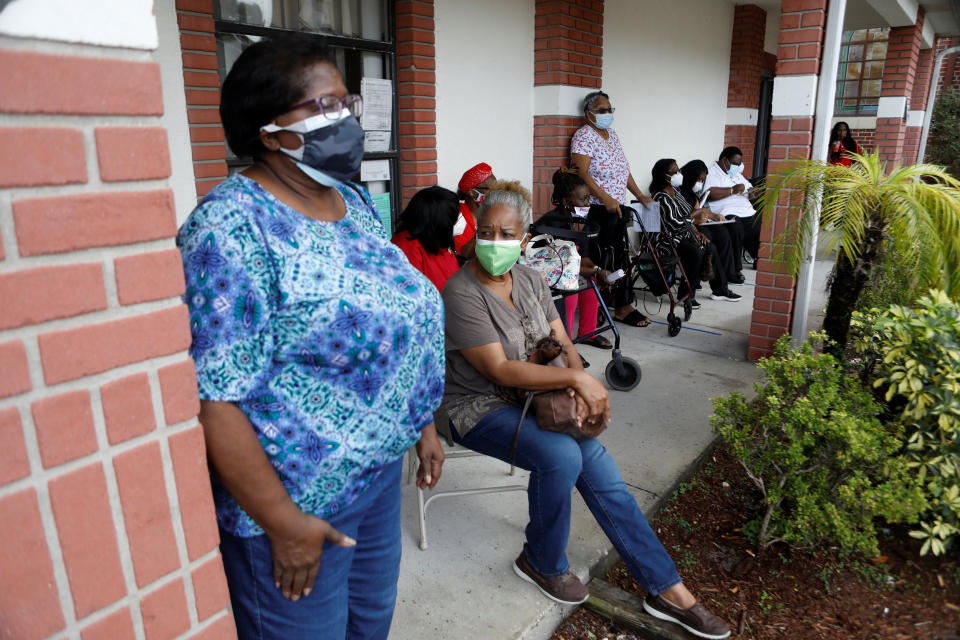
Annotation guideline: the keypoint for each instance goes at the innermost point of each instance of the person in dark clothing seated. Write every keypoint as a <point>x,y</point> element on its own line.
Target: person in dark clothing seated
<point>694,174</point>
<point>571,198</point>
<point>678,217</point>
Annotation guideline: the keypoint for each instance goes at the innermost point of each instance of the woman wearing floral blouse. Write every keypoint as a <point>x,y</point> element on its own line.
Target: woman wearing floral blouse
<point>319,354</point>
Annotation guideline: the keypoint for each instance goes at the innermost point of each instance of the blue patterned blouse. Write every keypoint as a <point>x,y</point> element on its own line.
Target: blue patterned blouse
<point>320,332</point>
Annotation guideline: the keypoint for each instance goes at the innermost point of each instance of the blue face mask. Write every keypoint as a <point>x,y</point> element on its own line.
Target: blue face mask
<point>603,120</point>
<point>332,149</point>
<point>734,170</point>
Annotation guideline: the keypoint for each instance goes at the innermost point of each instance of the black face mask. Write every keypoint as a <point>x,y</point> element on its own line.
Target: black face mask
<point>332,150</point>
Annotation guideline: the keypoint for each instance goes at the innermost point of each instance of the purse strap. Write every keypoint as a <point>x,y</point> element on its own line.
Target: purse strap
<point>516,434</point>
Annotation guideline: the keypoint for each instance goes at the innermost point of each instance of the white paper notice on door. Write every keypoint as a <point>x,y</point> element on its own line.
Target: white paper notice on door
<point>374,170</point>
<point>377,97</point>
<point>376,141</point>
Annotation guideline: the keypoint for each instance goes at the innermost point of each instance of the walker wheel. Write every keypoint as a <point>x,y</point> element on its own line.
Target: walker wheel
<point>673,325</point>
<point>687,309</point>
<point>625,381</point>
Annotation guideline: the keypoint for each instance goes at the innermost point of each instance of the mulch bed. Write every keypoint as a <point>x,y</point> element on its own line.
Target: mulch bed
<point>786,593</point>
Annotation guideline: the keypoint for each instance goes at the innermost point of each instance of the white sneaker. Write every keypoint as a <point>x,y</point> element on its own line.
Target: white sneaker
<point>727,295</point>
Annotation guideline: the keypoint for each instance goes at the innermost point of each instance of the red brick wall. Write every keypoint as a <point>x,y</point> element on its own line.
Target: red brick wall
<point>551,150</point>
<point>899,74</point>
<point>417,95</point>
<point>202,84</point>
<point>950,70</point>
<point>798,53</point>
<point>747,56</point>
<point>866,138</point>
<point>568,49</point>
<point>748,61</point>
<point>568,42</point>
<point>103,482</point>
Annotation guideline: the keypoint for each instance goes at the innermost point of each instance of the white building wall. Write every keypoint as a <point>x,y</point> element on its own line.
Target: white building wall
<point>484,53</point>
<point>666,68</point>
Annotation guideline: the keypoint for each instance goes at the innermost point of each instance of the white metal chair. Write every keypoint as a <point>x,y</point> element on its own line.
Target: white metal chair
<point>452,451</point>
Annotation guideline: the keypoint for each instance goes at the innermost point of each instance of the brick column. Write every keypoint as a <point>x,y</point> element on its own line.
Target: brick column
<point>110,529</point>
<point>417,96</point>
<point>202,84</point>
<point>748,60</point>
<point>568,64</point>
<point>918,106</point>
<point>899,74</point>
<point>795,88</point>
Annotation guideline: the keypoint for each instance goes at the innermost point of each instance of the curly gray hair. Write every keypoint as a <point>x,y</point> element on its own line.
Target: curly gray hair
<point>514,196</point>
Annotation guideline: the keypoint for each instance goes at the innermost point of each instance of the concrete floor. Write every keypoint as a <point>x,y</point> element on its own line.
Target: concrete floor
<point>463,585</point>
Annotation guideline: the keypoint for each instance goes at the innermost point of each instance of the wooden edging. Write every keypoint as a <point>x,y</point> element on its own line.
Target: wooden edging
<point>626,609</point>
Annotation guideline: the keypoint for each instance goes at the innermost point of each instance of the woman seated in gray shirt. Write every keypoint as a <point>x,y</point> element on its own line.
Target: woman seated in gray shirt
<point>496,311</point>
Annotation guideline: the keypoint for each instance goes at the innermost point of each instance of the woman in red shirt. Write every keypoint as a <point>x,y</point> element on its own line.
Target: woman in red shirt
<point>842,145</point>
<point>425,233</point>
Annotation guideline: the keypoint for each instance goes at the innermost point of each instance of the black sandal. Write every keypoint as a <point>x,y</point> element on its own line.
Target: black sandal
<point>634,319</point>
<point>598,342</point>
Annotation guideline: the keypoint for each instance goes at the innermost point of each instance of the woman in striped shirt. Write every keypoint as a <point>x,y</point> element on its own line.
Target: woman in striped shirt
<point>679,217</point>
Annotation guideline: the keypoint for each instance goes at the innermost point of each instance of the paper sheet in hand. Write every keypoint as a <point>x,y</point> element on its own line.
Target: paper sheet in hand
<point>710,223</point>
<point>703,199</point>
<point>649,215</point>
<point>377,97</point>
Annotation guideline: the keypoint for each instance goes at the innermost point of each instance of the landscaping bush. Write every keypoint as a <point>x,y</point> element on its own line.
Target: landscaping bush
<point>920,373</point>
<point>811,442</point>
<point>943,143</point>
<point>893,281</point>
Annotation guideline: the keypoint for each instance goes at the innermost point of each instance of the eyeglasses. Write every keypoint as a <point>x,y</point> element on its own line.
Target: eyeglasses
<point>332,106</point>
<point>610,110</point>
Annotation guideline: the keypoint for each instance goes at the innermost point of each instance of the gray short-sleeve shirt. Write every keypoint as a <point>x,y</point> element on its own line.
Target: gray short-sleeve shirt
<point>475,316</point>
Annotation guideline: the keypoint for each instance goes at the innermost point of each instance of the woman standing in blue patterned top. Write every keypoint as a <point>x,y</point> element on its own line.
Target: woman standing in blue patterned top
<point>319,353</point>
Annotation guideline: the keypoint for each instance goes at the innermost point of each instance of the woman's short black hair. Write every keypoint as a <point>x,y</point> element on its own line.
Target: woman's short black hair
<point>429,218</point>
<point>264,82</point>
<point>658,174</point>
<point>729,152</point>
<point>565,180</point>
<point>691,172</point>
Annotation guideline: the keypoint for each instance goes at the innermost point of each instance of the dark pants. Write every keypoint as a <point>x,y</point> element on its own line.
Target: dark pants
<point>746,235</point>
<point>692,257</point>
<point>610,249</point>
<point>719,237</point>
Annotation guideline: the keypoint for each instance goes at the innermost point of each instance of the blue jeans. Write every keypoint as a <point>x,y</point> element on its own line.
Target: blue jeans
<point>355,591</point>
<point>558,463</point>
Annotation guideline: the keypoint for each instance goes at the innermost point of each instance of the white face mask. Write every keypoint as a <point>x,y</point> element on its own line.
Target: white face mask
<point>460,225</point>
<point>478,196</point>
<point>581,212</point>
<point>676,180</point>
<point>697,188</point>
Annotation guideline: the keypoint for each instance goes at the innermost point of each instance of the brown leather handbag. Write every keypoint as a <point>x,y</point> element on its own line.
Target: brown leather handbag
<point>555,410</point>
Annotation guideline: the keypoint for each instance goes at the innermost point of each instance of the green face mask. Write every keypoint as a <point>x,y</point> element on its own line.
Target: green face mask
<point>497,256</point>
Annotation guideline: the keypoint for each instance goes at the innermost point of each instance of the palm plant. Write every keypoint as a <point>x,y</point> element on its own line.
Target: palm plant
<point>863,210</point>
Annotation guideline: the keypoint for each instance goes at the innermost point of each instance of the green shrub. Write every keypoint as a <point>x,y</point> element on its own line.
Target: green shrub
<point>920,373</point>
<point>811,442</point>
<point>893,281</point>
<point>943,143</point>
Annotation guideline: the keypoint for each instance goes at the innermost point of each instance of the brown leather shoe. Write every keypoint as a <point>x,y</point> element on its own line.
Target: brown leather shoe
<point>697,620</point>
<point>565,589</point>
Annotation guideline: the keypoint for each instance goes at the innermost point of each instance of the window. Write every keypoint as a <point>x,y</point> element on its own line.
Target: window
<point>860,76</point>
<point>360,34</point>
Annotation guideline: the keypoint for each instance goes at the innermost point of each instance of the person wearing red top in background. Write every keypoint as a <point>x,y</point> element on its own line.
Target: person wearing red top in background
<point>842,145</point>
<point>471,190</point>
<point>425,233</point>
